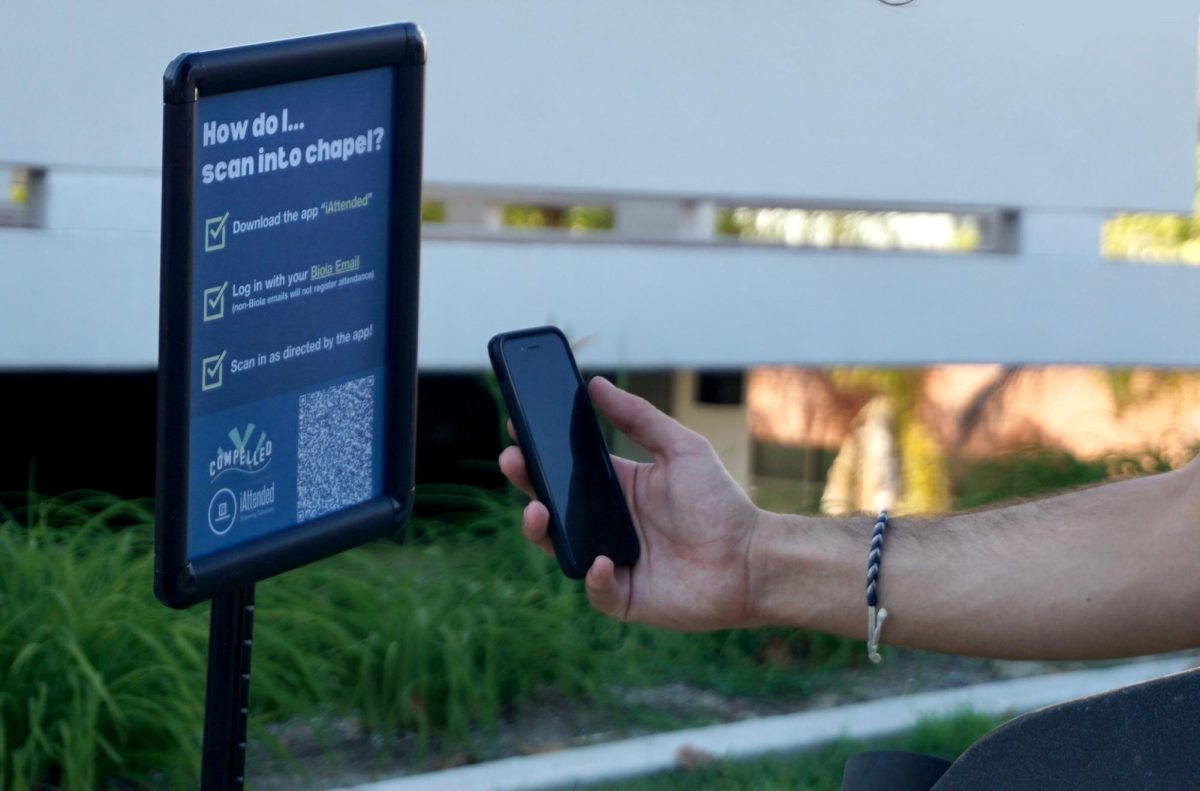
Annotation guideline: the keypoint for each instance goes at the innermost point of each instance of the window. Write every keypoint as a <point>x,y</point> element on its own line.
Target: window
<point>577,219</point>
<point>1152,238</point>
<point>926,231</point>
<point>20,196</point>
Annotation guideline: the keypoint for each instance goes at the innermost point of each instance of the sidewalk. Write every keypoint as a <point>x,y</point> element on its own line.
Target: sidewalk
<point>791,732</point>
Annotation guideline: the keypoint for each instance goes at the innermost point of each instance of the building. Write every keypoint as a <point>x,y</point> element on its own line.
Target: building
<point>1009,130</point>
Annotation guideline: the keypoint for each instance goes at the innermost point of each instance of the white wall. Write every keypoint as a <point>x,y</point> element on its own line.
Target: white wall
<point>667,306</point>
<point>1064,111</point>
<point>1070,104</point>
<point>718,306</point>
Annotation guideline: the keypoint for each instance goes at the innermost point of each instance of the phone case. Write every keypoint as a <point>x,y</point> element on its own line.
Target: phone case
<point>571,565</point>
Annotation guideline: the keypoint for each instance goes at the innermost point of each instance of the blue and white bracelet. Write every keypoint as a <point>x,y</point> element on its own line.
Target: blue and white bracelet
<point>875,613</point>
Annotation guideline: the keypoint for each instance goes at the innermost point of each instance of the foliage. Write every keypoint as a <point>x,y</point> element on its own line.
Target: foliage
<point>570,218</point>
<point>1120,384</point>
<point>923,464</point>
<point>434,641</point>
<point>1152,238</point>
<point>1132,387</point>
<point>96,679</point>
<point>751,663</point>
<point>433,211</point>
<point>819,770</point>
<point>1042,471</point>
<point>1025,474</point>
<point>926,475</point>
<point>840,228</point>
<point>1157,238</point>
<point>1144,462</point>
<point>901,385</point>
<point>437,639</point>
<point>928,484</point>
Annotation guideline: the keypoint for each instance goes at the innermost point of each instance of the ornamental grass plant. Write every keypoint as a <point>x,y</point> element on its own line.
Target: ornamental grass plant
<point>435,643</point>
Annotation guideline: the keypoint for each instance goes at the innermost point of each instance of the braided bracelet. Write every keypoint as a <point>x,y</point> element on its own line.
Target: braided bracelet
<point>875,613</point>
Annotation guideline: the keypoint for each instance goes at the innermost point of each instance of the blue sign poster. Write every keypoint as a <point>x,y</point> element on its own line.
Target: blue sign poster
<point>287,350</point>
<point>287,327</point>
<point>290,279</point>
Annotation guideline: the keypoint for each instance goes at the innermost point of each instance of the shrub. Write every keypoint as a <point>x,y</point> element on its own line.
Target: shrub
<point>1025,474</point>
<point>96,679</point>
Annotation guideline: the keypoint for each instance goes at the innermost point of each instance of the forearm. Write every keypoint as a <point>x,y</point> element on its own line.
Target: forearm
<point>1108,571</point>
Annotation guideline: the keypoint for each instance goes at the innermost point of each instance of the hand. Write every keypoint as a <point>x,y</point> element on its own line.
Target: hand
<point>695,524</point>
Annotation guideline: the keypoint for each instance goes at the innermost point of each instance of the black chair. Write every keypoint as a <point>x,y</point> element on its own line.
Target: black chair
<point>1144,736</point>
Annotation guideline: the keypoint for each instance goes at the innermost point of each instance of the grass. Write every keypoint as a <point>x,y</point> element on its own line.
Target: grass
<point>94,682</point>
<point>1039,471</point>
<point>819,770</point>
<point>437,640</point>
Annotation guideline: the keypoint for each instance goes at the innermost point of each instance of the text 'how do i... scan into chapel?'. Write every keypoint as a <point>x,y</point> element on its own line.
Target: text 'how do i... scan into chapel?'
<point>289,326</point>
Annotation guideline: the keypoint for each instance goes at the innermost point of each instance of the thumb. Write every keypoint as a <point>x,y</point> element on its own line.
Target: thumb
<point>605,591</point>
<point>638,419</point>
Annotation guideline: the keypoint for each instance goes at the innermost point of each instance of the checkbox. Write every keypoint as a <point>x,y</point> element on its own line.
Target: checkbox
<point>214,302</point>
<point>214,233</point>
<point>212,370</point>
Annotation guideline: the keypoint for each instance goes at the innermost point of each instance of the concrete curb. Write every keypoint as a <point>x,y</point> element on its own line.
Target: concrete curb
<point>805,730</point>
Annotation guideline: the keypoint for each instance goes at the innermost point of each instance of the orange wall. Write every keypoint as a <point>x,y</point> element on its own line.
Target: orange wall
<point>1067,407</point>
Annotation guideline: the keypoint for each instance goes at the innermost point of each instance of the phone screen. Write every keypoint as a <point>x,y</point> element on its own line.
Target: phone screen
<point>564,441</point>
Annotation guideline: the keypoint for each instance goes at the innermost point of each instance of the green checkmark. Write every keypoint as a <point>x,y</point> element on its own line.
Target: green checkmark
<point>212,371</point>
<point>214,233</point>
<point>214,302</point>
<point>240,440</point>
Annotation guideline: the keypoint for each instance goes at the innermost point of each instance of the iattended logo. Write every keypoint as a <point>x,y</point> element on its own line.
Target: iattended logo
<point>250,454</point>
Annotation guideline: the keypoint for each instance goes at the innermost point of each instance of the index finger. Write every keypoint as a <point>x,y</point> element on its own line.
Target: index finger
<point>512,464</point>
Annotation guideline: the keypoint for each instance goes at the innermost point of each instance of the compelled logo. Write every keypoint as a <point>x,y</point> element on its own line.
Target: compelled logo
<point>244,457</point>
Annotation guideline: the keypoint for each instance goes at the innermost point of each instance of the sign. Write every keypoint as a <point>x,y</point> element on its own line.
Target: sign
<point>291,222</point>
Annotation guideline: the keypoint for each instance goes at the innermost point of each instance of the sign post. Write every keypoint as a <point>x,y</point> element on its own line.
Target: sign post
<point>288,320</point>
<point>227,696</point>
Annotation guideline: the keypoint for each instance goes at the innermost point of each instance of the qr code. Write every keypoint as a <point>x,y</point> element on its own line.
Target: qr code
<point>334,466</point>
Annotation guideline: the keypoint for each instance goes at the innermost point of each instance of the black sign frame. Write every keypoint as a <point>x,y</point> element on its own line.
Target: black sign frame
<point>191,77</point>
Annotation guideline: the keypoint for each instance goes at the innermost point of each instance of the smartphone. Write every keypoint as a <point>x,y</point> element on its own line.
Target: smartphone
<point>565,453</point>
